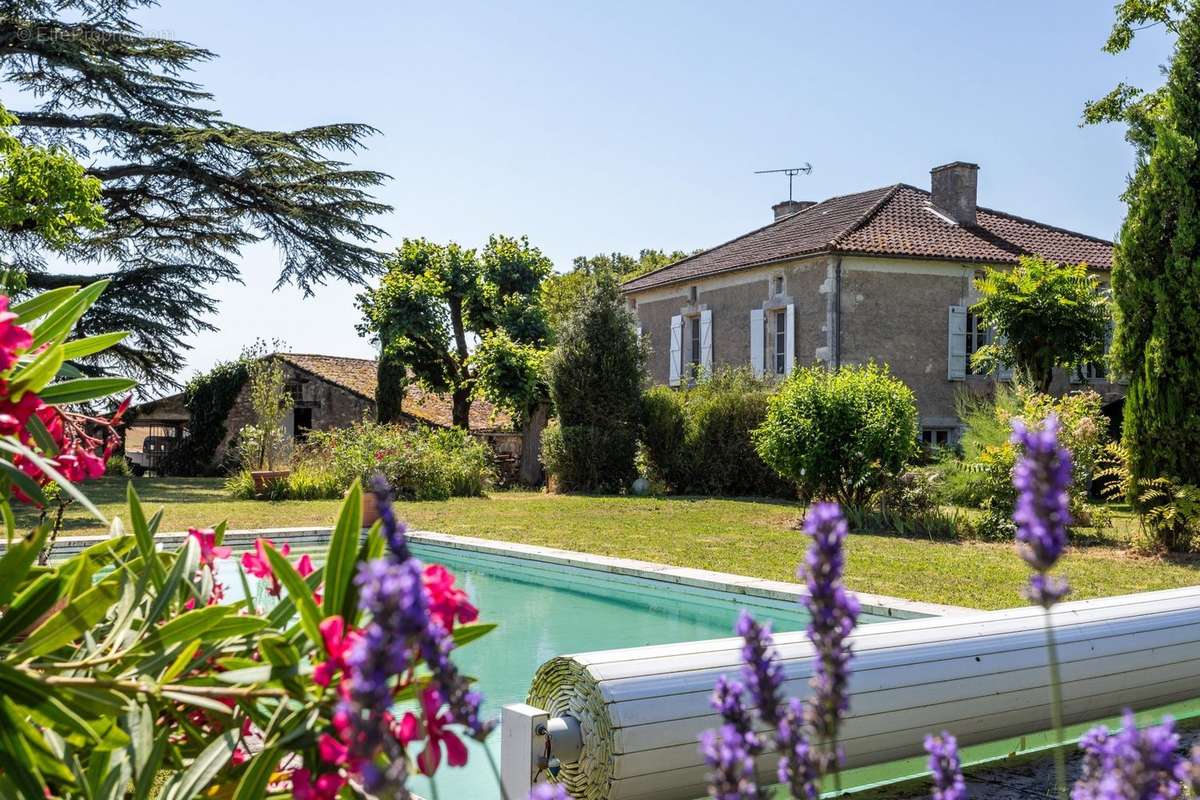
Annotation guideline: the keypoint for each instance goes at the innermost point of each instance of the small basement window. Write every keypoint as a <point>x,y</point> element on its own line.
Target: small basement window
<point>936,437</point>
<point>693,294</point>
<point>777,285</point>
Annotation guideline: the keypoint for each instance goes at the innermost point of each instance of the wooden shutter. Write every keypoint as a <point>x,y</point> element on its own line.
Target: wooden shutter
<point>789,340</point>
<point>676,349</point>
<point>956,345</point>
<point>706,343</point>
<point>757,331</point>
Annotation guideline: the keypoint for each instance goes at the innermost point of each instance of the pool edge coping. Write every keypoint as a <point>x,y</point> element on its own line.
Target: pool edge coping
<point>876,604</point>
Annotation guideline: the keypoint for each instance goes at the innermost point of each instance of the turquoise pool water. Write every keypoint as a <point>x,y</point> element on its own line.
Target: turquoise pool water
<point>546,610</point>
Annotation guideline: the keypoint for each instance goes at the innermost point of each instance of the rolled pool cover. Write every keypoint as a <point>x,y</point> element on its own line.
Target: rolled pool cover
<point>982,677</point>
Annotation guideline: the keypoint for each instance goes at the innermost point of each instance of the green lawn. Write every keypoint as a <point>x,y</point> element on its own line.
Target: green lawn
<point>750,537</point>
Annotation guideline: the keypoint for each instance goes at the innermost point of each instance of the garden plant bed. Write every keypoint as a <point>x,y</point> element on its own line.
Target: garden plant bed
<point>747,537</point>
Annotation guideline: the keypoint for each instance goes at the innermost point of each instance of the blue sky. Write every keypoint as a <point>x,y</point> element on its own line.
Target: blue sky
<point>594,127</point>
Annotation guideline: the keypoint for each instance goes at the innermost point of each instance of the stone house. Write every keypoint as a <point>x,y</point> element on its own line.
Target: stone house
<point>884,275</point>
<point>327,392</point>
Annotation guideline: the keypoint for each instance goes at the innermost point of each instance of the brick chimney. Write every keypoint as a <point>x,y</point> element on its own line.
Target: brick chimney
<point>789,207</point>
<point>954,187</point>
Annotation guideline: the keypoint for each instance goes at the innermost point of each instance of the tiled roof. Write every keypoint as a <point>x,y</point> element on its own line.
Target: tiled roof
<point>358,375</point>
<point>896,221</point>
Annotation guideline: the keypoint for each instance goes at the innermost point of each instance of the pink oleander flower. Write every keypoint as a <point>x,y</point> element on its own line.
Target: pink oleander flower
<point>305,567</point>
<point>432,728</point>
<point>337,641</point>
<point>210,551</point>
<point>259,566</point>
<point>325,787</point>
<point>447,602</point>
<point>12,336</point>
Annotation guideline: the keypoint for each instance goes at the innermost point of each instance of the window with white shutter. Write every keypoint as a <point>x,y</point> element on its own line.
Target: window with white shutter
<point>676,365</point>
<point>789,348</point>
<point>956,344</point>
<point>706,342</point>
<point>757,332</point>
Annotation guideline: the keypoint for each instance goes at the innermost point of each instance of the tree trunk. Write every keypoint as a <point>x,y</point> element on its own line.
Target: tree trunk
<point>462,408</point>
<point>531,445</point>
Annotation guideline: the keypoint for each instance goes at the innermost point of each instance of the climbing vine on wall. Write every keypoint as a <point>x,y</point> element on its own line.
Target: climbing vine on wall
<point>208,398</point>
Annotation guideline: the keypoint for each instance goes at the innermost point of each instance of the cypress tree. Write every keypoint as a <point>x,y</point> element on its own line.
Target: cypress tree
<point>1156,272</point>
<point>184,190</point>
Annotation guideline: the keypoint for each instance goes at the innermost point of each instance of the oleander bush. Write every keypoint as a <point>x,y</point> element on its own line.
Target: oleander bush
<point>842,435</point>
<point>699,440</point>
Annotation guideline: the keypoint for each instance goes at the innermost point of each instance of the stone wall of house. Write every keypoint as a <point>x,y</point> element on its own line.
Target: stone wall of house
<point>731,297</point>
<point>332,407</point>
<point>893,311</point>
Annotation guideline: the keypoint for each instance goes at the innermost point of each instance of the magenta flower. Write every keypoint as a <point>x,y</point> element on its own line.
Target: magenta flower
<point>447,602</point>
<point>13,337</point>
<point>259,566</point>
<point>432,727</point>
<point>210,551</point>
<point>337,641</point>
<point>549,791</point>
<point>945,767</point>
<point>325,787</point>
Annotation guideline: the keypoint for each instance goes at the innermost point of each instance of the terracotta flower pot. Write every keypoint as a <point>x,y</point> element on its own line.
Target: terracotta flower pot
<point>264,478</point>
<point>370,509</point>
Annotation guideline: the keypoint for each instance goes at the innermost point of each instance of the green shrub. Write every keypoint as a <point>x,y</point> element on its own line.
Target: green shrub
<point>240,485</point>
<point>595,379</point>
<point>119,466</point>
<point>699,440</point>
<point>312,479</point>
<point>420,463</point>
<point>842,435</point>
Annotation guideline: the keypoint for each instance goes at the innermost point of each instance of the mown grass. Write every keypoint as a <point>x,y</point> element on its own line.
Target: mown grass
<point>750,536</point>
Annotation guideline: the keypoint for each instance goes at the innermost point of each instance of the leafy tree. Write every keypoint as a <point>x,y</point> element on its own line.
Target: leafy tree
<point>595,381</point>
<point>562,292</point>
<point>263,442</point>
<point>1156,270</point>
<point>1045,315</point>
<point>183,189</point>
<point>512,376</point>
<point>436,302</point>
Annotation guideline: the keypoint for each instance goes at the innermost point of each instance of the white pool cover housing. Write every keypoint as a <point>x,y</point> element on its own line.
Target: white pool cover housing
<point>982,676</point>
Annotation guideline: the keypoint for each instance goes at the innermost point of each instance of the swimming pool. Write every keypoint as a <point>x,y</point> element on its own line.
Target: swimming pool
<point>548,609</point>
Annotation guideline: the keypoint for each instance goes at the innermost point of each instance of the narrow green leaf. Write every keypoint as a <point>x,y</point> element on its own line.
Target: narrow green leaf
<point>187,561</point>
<point>188,625</point>
<point>58,323</point>
<point>90,345</point>
<point>38,373</point>
<point>26,484</point>
<point>17,559</point>
<point>30,605</point>
<point>41,436</point>
<point>147,757</point>
<point>253,784</point>
<point>465,634</point>
<point>15,756</point>
<point>235,627</point>
<point>42,304</point>
<point>299,593</point>
<point>186,653</point>
<point>81,390</point>
<point>143,535</point>
<point>343,547</point>
<point>76,618</point>
<point>26,690</point>
<point>203,769</point>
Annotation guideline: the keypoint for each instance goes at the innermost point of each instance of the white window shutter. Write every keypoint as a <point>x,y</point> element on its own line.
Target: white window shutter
<point>757,331</point>
<point>789,340</point>
<point>676,349</point>
<point>706,343</point>
<point>956,369</point>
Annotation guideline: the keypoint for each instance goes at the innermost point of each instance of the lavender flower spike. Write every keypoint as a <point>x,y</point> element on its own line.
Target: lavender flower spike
<point>797,766</point>
<point>1131,763</point>
<point>1042,478</point>
<point>834,613</point>
<point>944,764</point>
<point>549,791</point>
<point>761,670</point>
<point>732,776</point>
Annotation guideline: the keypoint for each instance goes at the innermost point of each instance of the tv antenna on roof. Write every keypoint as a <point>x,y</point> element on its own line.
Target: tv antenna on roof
<point>791,172</point>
